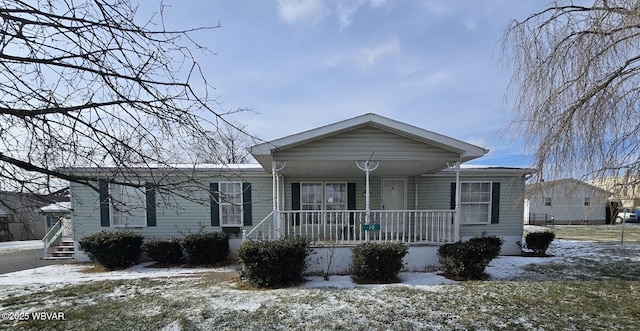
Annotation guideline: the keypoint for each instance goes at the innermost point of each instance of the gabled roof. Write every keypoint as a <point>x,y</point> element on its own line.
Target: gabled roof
<point>566,181</point>
<point>263,152</point>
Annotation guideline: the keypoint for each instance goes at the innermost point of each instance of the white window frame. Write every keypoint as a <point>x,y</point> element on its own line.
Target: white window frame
<point>127,206</point>
<point>548,202</point>
<point>231,201</point>
<point>587,201</point>
<point>324,202</point>
<point>476,203</point>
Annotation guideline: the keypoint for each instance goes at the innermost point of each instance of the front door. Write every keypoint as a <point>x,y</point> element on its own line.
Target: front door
<point>393,194</point>
<point>393,202</point>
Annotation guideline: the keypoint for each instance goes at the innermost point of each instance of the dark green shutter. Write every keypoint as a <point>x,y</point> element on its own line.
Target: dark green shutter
<point>453,196</point>
<point>246,204</point>
<point>351,201</point>
<point>215,207</point>
<point>103,187</point>
<point>351,196</point>
<point>295,200</point>
<point>495,203</point>
<point>150,192</point>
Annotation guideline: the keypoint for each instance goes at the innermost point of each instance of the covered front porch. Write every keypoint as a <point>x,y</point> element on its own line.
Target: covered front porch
<point>359,180</point>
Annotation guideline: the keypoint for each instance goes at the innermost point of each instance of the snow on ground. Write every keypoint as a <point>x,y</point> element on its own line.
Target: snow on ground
<point>501,268</point>
<point>14,246</point>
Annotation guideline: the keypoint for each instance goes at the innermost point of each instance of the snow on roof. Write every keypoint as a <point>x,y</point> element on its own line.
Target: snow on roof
<point>57,207</point>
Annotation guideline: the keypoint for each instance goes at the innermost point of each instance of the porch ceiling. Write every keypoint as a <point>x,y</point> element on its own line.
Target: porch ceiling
<point>348,168</point>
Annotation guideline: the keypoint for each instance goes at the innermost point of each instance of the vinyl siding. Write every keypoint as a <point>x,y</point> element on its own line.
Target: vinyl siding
<point>358,144</point>
<point>434,193</point>
<point>175,216</point>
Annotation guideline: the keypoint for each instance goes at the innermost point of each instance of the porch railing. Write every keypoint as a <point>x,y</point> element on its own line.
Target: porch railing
<point>346,226</point>
<point>52,237</point>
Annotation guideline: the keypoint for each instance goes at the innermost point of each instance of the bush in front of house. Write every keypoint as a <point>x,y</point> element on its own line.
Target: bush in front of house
<point>378,262</point>
<point>538,242</point>
<point>166,251</point>
<point>113,249</point>
<point>491,245</point>
<point>274,263</point>
<point>468,259</point>
<point>206,248</point>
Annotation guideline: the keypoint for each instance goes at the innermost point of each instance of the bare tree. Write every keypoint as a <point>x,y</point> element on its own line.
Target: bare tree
<point>91,84</point>
<point>575,87</point>
<point>228,145</point>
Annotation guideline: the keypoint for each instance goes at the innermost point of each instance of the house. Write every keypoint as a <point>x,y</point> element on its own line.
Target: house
<point>626,190</point>
<point>20,214</point>
<point>565,201</point>
<point>368,178</point>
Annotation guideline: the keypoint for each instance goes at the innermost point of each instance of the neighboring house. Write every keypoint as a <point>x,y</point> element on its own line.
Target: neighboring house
<point>565,201</point>
<point>626,190</point>
<point>21,212</point>
<point>365,178</point>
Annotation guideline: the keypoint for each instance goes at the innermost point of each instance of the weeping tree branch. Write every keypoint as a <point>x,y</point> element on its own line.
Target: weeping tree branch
<point>576,73</point>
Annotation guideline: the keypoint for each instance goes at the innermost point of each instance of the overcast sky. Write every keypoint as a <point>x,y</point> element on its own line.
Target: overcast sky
<point>299,64</point>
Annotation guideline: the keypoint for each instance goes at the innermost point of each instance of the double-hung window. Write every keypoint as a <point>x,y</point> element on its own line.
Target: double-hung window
<point>475,202</point>
<point>317,196</point>
<point>230,203</point>
<point>128,207</point>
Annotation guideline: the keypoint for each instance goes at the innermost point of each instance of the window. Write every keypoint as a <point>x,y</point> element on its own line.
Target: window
<point>547,202</point>
<point>475,202</point>
<point>230,204</point>
<point>322,196</point>
<point>587,201</point>
<point>128,207</point>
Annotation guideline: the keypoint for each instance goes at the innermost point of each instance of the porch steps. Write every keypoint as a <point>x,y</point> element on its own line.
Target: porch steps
<point>64,250</point>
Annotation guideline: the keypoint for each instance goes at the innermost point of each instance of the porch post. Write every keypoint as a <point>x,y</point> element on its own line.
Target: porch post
<point>275,167</point>
<point>456,226</point>
<point>367,167</point>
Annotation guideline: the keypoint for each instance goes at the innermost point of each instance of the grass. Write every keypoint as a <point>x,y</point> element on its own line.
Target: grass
<point>575,292</point>
<point>603,233</point>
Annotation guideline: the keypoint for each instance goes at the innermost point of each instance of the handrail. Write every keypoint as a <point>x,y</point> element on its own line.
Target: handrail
<point>56,235</point>
<point>245,235</point>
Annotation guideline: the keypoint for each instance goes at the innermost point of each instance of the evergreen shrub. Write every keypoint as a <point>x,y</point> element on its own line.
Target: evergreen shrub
<point>113,249</point>
<point>378,262</point>
<point>274,263</point>
<point>206,248</point>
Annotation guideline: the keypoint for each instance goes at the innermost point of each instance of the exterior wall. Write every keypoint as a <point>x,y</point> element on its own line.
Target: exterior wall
<point>435,193</point>
<point>357,144</point>
<point>567,202</point>
<point>176,216</point>
<point>418,259</point>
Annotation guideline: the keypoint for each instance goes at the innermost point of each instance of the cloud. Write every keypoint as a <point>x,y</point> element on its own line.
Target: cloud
<point>372,55</point>
<point>345,10</point>
<point>293,11</point>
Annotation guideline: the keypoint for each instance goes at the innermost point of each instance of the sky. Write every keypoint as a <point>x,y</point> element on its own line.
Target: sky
<point>297,65</point>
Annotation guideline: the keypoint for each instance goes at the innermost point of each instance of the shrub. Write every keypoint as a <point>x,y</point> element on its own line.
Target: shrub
<point>538,242</point>
<point>112,249</point>
<point>274,263</point>
<point>163,251</point>
<point>468,260</point>
<point>492,245</point>
<point>378,262</point>
<point>206,247</point>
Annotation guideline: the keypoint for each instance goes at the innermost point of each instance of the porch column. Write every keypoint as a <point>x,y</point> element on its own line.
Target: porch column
<point>456,225</point>
<point>275,167</point>
<point>367,167</point>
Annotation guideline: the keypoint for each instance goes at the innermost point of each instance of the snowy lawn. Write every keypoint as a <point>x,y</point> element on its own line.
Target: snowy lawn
<point>14,246</point>
<point>584,286</point>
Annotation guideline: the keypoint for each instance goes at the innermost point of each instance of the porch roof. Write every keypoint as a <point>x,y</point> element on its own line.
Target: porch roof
<point>402,149</point>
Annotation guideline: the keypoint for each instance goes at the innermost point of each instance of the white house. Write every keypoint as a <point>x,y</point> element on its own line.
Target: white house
<point>367,178</point>
<point>565,201</point>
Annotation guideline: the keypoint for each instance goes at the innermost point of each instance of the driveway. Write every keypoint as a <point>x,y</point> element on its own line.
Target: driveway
<point>24,259</point>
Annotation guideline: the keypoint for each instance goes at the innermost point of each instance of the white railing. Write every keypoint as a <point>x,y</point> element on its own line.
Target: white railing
<point>52,237</point>
<point>264,230</point>
<point>346,226</point>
